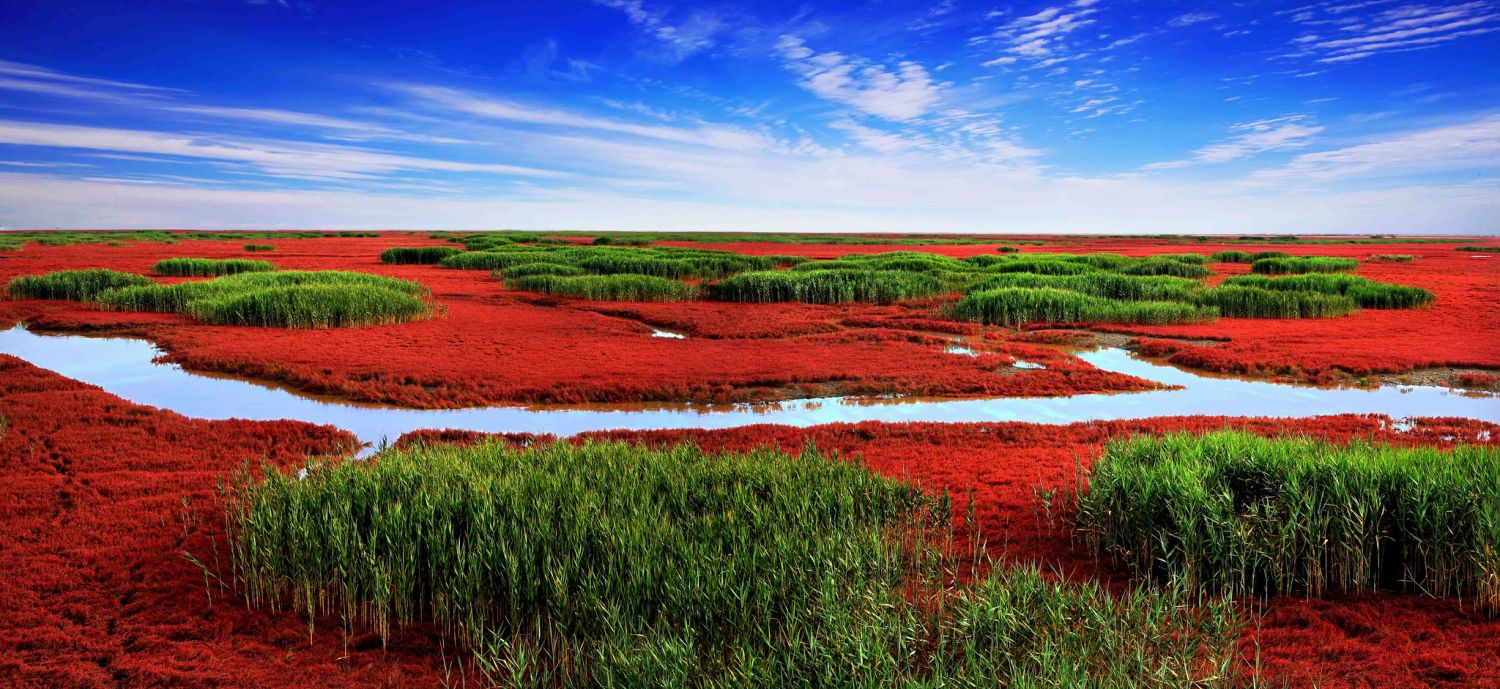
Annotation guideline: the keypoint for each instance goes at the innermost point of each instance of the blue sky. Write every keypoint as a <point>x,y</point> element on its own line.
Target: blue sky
<point>1081,116</point>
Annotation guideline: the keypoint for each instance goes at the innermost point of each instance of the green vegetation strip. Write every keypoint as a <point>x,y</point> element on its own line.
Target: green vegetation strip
<point>608,564</point>
<point>606,287</point>
<point>80,285</point>
<point>826,286</point>
<point>1303,264</point>
<point>1243,514</point>
<point>663,262</point>
<point>418,254</point>
<point>209,267</point>
<point>259,247</point>
<point>288,299</point>
<point>1016,306</point>
<point>1365,292</point>
<point>1254,302</point>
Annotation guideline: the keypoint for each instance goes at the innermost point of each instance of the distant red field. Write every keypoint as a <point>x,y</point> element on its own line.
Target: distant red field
<point>101,498</point>
<point>495,345</point>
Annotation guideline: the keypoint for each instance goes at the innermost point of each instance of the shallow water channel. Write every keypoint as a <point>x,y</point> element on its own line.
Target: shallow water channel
<point>125,368</point>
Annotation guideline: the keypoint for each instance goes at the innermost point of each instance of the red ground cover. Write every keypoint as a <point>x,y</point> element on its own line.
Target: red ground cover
<point>494,345</point>
<point>98,497</point>
<point>101,497</point>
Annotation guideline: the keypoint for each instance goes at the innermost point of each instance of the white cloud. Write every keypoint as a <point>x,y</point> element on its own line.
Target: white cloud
<point>902,94</point>
<point>1191,18</point>
<point>36,73</point>
<point>282,158</point>
<point>1040,35</point>
<point>835,204</point>
<point>713,136</point>
<point>1466,146</point>
<point>1356,36</point>
<point>693,34</point>
<point>1275,134</point>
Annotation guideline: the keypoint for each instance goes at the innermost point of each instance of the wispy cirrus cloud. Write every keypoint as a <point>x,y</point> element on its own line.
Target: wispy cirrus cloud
<point>302,160</point>
<point>902,93</point>
<point>1448,148</point>
<point>1041,35</point>
<point>1283,133</point>
<point>1345,32</point>
<point>694,33</point>
<point>486,107</point>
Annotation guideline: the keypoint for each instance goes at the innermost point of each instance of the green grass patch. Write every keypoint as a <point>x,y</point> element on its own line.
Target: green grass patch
<point>1303,264</point>
<point>607,240</point>
<point>285,299</point>
<point>418,255</point>
<point>1391,258</point>
<point>622,287</point>
<point>1108,285</point>
<point>1231,256</point>
<point>209,267</point>
<point>1007,249</point>
<point>1160,265</point>
<point>1366,293</point>
<point>1481,249</point>
<point>1240,513</point>
<point>79,285</point>
<point>1043,266</point>
<point>1017,306</point>
<point>665,262</point>
<point>826,286</point>
<point>521,270</point>
<point>1253,302</point>
<point>610,564</point>
<point>259,247</point>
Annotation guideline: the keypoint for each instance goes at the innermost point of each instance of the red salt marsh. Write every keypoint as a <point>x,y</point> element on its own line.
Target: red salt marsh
<point>102,497</point>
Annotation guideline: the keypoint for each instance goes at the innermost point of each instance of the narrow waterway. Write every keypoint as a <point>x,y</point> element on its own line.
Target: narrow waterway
<point>125,368</point>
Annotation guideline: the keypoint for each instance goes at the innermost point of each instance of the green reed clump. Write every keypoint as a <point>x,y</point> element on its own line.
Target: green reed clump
<point>1043,266</point>
<point>1303,264</point>
<point>1239,513</point>
<point>1254,302</point>
<point>1109,285</point>
<point>1391,258</point>
<point>787,260</point>
<point>288,299</point>
<point>665,262</point>
<point>521,270</point>
<point>904,261</point>
<point>1007,249</point>
<point>826,286</point>
<point>1016,306</point>
<point>493,260</point>
<point>1161,265</point>
<point>611,564</point>
<point>80,285</point>
<point>1198,259</point>
<point>209,267</point>
<point>1231,256</point>
<point>1367,293</point>
<point>425,255</point>
<point>259,247</point>
<point>311,306</point>
<point>1102,261</point>
<point>1268,254</point>
<point>619,287</point>
<point>607,240</point>
<point>1482,249</point>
